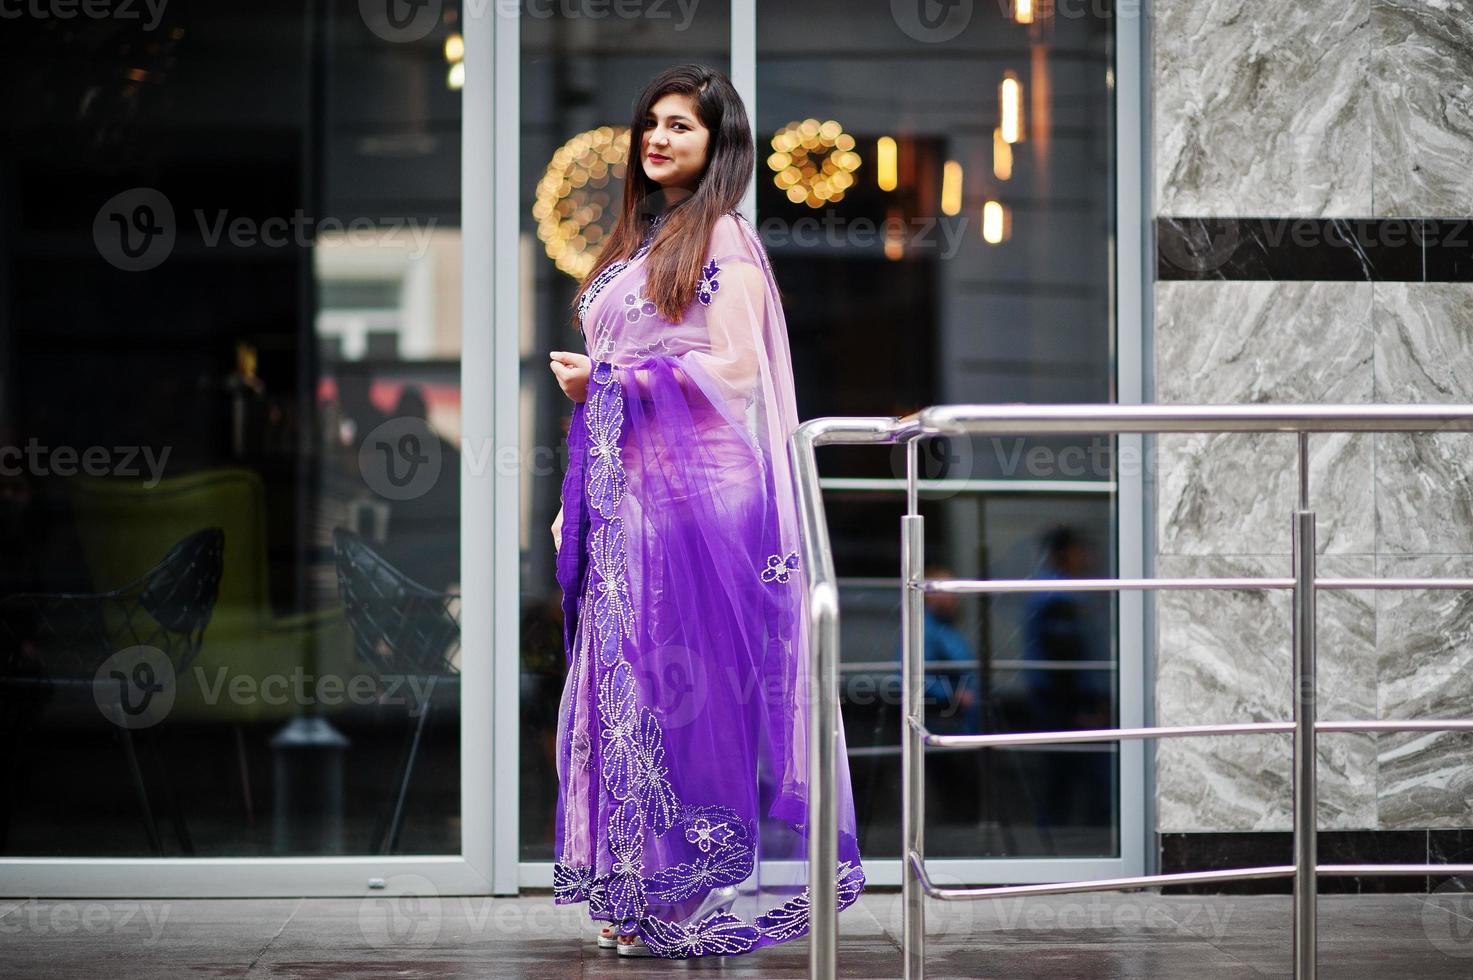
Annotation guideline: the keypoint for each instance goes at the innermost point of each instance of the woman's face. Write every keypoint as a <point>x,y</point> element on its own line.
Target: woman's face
<point>673,145</point>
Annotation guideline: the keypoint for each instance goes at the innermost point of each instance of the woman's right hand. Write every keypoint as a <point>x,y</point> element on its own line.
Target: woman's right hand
<point>571,370</point>
<point>557,531</point>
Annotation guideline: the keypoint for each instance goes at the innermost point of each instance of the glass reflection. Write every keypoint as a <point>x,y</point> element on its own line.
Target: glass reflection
<point>579,79</point>
<point>969,262</point>
<point>229,407</point>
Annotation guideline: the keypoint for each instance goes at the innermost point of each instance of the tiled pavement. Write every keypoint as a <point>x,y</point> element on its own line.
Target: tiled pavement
<point>1077,937</point>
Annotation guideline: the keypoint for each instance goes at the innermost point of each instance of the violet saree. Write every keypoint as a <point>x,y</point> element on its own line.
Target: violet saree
<point>682,741</point>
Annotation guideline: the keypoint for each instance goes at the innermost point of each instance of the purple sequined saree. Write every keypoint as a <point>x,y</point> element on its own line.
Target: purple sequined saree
<point>683,729</point>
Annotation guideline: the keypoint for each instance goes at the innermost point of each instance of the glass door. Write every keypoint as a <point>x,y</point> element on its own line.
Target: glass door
<point>951,210</point>
<point>231,429</point>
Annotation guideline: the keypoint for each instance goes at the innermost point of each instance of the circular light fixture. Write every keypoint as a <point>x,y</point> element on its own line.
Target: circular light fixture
<point>813,162</point>
<point>573,197</point>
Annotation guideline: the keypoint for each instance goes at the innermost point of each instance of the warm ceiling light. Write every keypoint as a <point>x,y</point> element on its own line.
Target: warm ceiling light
<point>1010,99</point>
<point>455,78</point>
<point>995,223</point>
<point>1023,11</point>
<point>1002,156</point>
<point>951,187</point>
<point>894,239</point>
<point>454,48</point>
<point>885,163</point>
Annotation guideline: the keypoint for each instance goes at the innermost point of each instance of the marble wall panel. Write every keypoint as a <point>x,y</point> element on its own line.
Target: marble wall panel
<point>1422,106</point>
<point>1261,107</point>
<point>1245,342</point>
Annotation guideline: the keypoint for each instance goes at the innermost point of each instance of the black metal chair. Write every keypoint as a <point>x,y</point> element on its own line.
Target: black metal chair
<point>403,629</point>
<point>50,643</point>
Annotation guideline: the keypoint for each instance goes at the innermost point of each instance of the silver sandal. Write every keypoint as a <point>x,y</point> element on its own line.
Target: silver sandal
<point>636,947</point>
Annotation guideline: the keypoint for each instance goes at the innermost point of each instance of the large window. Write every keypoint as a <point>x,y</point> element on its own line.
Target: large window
<point>229,410</point>
<point>968,262</point>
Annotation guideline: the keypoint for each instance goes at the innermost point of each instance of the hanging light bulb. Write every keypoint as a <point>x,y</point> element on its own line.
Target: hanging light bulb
<point>951,187</point>
<point>1002,156</point>
<point>996,223</point>
<point>885,169</point>
<point>1010,101</point>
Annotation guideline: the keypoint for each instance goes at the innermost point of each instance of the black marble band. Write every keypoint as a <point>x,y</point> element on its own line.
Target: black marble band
<point>1248,849</point>
<point>1337,249</point>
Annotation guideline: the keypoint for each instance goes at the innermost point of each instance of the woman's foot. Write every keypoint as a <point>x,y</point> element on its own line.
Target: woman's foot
<point>607,938</point>
<point>633,946</point>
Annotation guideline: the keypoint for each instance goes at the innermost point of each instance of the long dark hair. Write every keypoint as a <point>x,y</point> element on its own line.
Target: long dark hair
<point>680,244</point>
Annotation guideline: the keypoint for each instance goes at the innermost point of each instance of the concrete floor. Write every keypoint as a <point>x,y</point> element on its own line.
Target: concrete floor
<point>1077,937</point>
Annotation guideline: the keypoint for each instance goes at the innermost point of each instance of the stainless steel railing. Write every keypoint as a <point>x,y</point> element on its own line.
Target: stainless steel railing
<point>1017,420</point>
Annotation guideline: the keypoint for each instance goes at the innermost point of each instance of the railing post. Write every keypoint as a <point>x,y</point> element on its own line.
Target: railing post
<point>823,804</point>
<point>1304,755</point>
<point>913,714</point>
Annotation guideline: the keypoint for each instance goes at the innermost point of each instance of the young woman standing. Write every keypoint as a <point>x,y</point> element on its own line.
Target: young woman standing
<point>683,728</point>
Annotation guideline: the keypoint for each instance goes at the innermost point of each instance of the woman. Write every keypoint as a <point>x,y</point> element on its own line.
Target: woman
<point>682,733</point>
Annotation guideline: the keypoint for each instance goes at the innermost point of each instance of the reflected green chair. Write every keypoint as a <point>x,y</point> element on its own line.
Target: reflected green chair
<point>124,526</point>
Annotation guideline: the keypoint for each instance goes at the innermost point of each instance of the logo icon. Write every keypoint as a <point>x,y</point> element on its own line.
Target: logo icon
<point>400,459</point>
<point>937,458</point>
<point>134,688</point>
<point>408,916</point>
<point>1199,245</point>
<point>931,21</point>
<point>400,21</point>
<point>1447,917</point>
<point>134,231</point>
<point>673,677</point>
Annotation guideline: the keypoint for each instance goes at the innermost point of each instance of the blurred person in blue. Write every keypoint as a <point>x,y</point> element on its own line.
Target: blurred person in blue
<point>1058,629</point>
<point>953,701</point>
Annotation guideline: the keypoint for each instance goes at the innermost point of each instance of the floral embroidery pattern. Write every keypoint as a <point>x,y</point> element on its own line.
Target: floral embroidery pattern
<point>729,863</point>
<point>612,270</point>
<point>719,933</point>
<point>626,840</point>
<point>779,567</point>
<point>790,919</point>
<point>708,285</point>
<point>613,611</point>
<point>634,750</point>
<point>654,348</point>
<point>571,884</point>
<point>606,483</point>
<point>703,833</point>
<point>637,306</point>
